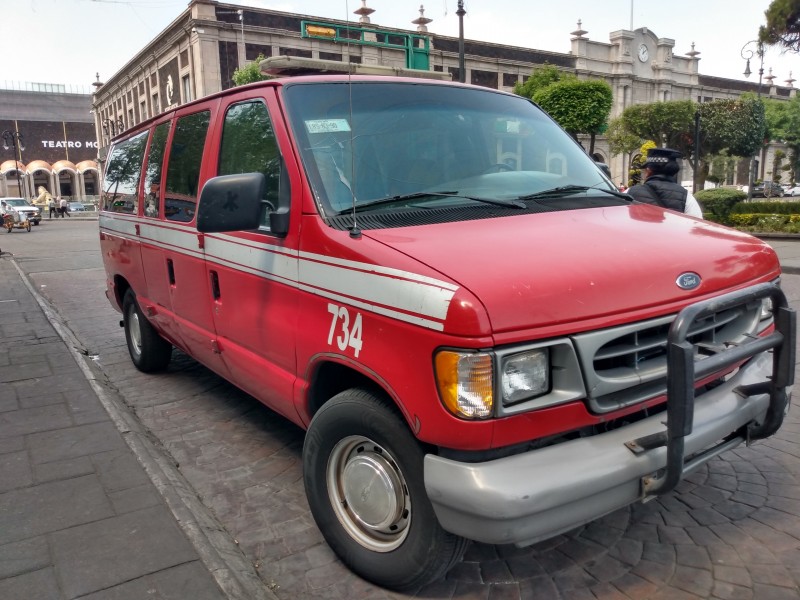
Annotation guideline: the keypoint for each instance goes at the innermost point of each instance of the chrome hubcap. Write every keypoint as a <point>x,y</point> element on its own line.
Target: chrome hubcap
<point>135,331</point>
<point>369,494</point>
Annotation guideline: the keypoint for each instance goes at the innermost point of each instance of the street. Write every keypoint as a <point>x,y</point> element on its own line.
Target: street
<point>731,530</point>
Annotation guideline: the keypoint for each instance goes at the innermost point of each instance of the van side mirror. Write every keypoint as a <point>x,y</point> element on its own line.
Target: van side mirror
<point>231,203</point>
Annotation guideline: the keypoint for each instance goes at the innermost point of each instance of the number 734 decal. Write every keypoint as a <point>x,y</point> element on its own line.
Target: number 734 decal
<point>343,331</point>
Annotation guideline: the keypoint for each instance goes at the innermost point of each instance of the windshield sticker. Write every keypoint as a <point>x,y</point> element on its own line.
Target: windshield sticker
<point>327,125</point>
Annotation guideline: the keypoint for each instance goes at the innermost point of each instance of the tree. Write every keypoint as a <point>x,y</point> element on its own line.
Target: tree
<point>539,79</point>
<point>728,127</point>
<point>669,124</point>
<point>250,73</point>
<point>783,25</point>
<point>578,106</point>
<point>620,139</point>
<point>783,124</point>
<point>732,127</point>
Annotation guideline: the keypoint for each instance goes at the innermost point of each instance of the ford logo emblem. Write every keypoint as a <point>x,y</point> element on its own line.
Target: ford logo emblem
<point>688,281</point>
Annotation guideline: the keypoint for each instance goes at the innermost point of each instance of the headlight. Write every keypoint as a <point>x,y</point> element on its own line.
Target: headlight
<point>465,382</point>
<point>766,309</point>
<point>526,375</point>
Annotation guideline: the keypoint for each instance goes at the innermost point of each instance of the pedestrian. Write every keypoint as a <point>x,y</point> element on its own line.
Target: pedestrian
<point>63,207</point>
<point>52,204</point>
<point>661,187</point>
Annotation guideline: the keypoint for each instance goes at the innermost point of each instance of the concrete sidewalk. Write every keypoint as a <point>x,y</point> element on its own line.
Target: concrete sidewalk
<point>87,508</point>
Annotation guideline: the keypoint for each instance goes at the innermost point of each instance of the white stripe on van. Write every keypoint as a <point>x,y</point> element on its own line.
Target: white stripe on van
<point>398,294</point>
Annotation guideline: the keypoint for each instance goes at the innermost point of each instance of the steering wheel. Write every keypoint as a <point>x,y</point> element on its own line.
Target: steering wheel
<point>497,167</point>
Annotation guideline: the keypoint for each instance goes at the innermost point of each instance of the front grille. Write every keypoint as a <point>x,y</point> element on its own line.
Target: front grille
<point>628,364</point>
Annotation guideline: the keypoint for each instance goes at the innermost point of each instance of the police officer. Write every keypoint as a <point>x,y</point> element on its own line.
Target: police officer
<point>660,186</point>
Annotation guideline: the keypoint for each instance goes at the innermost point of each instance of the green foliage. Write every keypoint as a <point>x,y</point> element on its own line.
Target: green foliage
<point>250,73</point>
<point>781,208</point>
<point>539,79</point>
<point>783,124</point>
<point>733,127</point>
<point>620,140</point>
<point>767,223</point>
<point>783,25</point>
<point>719,203</point>
<point>578,106</point>
<point>667,123</point>
<point>721,168</point>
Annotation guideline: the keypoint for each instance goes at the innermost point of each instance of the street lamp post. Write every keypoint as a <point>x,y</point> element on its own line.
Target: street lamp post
<point>239,12</point>
<point>462,69</point>
<point>13,139</point>
<point>748,53</point>
<point>696,157</point>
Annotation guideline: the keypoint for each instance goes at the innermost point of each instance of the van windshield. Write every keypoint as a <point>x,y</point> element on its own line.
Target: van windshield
<point>370,143</point>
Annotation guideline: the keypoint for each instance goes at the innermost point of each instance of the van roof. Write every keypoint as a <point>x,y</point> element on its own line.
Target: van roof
<point>299,79</point>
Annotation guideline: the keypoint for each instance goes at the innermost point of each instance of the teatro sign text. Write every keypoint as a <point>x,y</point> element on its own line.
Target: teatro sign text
<point>68,144</point>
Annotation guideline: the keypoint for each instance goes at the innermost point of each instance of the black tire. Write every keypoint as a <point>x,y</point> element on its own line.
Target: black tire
<point>397,543</point>
<point>149,351</point>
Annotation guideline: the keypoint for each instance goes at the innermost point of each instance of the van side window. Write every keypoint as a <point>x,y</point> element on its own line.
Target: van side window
<point>249,146</point>
<point>124,168</point>
<point>183,171</point>
<point>152,181</point>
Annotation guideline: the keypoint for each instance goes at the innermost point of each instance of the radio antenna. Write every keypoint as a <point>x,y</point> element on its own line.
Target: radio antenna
<point>355,232</point>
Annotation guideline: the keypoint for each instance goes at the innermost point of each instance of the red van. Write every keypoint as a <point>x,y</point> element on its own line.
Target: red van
<point>483,337</point>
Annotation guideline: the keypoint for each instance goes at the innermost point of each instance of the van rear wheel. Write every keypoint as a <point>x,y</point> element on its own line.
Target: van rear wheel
<point>149,351</point>
<point>363,473</point>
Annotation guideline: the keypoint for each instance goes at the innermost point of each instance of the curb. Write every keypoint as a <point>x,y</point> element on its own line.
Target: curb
<point>233,573</point>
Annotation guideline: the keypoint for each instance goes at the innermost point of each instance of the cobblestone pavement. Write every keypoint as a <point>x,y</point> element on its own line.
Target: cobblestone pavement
<point>730,531</point>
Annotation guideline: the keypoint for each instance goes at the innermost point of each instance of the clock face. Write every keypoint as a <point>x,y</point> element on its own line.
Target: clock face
<point>643,53</point>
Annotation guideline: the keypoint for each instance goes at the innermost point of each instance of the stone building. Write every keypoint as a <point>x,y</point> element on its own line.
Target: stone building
<point>49,140</point>
<point>198,52</point>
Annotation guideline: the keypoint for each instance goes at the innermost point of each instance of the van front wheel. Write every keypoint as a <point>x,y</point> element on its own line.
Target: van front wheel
<point>149,351</point>
<point>363,472</point>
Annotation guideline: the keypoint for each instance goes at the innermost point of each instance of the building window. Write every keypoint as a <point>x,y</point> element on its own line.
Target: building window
<point>484,78</point>
<point>143,110</point>
<point>156,107</point>
<point>186,86</point>
<point>510,79</point>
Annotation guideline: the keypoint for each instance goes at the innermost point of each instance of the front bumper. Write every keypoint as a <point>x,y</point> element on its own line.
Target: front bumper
<point>529,497</point>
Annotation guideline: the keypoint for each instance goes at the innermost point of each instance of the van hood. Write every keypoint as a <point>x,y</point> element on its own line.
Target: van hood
<point>539,270</point>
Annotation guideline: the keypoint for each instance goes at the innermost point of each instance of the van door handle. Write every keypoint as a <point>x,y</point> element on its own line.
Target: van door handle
<point>214,284</point>
<point>171,271</point>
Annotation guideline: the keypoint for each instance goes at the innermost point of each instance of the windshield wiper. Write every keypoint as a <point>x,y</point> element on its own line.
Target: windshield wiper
<point>441,194</point>
<point>566,190</point>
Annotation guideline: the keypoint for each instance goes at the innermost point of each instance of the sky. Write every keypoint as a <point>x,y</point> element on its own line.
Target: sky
<point>70,41</point>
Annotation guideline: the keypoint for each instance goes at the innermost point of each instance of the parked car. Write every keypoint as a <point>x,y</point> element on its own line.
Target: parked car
<point>75,206</point>
<point>792,191</point>
<point>24,208</point>
<point>767,189</point>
